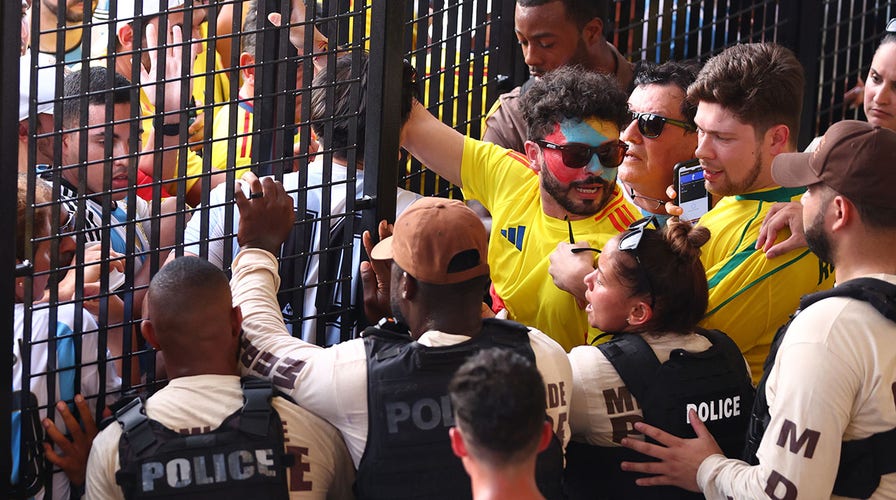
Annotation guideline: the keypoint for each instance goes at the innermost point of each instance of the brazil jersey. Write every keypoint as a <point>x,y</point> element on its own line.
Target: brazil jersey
<point>750,296</point>
<point>523,237</point>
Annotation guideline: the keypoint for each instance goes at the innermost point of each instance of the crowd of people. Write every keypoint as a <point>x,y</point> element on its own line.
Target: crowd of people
<point>585,342</point>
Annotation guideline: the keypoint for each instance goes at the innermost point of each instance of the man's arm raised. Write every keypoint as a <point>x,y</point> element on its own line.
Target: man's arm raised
<point>436,145</point>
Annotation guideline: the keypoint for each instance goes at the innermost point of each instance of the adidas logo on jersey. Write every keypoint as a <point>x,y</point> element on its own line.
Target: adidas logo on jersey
<point>515,235</point>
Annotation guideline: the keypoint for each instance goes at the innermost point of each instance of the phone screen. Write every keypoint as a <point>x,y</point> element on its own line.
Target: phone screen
<point>692,195</point>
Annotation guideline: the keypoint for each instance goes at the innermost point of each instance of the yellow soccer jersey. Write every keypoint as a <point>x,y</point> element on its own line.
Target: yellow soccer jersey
<point>242,135</point>
<point>220,91</point>
<point>750,296</point>
<point>522,238</point>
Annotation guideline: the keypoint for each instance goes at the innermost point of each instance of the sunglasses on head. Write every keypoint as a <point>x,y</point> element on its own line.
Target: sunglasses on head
<point>630,241</point>
<point>578,155</point>
<point>651,125</point>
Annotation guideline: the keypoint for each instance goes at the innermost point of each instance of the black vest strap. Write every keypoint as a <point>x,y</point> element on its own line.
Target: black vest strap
<point>135,425</point>
<point>862,461</point>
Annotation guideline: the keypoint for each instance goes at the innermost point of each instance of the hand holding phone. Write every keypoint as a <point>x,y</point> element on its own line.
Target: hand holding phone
<point>692,195</point>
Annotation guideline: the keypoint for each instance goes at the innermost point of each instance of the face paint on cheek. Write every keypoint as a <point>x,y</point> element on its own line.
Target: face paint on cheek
<point>592,132</point>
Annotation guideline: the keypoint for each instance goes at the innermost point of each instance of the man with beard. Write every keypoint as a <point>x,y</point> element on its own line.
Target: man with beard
<point>749,100</point>
<point>72,15</point>
<point>552,34</point>
<point>824,419</point>
<point>573,119</point>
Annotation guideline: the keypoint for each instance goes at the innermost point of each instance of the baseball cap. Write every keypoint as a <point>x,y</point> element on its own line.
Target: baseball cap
<point>46,88</point>
<point>438,241</point>
<point>852,158</point>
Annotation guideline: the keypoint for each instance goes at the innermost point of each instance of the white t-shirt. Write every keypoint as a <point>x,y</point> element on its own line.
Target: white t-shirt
<point>833,380</point>
<point>203,402</point>
<point>332,382</point>
<point>68,336</point>
<point>323,310</point>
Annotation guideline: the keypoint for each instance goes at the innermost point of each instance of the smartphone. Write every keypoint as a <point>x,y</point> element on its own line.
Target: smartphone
<point>692,194</point>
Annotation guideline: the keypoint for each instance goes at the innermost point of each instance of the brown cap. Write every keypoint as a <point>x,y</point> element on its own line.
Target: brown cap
<point>437,240</point>
<point>853,158</point>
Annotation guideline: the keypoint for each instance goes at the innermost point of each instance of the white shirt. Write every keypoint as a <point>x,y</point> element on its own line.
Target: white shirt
<point>833,381</point>
<point>204,401</point>
<point>332,382</point>
<point>223,245</point>
<point>69,334</point>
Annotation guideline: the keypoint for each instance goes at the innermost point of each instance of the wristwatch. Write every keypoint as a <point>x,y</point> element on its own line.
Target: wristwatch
<point>171,129</point>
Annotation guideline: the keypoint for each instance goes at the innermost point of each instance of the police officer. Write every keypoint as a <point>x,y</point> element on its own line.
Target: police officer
<point>829,421</point>
<point>200,347</point>
<point>387,392</point>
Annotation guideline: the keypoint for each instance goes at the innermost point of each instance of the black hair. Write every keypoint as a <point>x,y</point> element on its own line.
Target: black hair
<point>679,74</point>
<point>498,398</point>
<point>101,86</point>
<point>572,93</point>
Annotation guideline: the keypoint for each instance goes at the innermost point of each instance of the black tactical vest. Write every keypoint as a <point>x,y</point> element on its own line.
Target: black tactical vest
<point>408,452</point>
<point>862,461</point>
<point>243,458</point>
<point>714,382</point>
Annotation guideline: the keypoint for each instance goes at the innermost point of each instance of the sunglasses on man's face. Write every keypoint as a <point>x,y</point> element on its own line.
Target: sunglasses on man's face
<point>578,155</point>
<point>651,125</point>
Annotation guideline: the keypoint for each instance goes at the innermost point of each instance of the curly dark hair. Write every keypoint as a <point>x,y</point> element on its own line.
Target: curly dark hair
<point>670,260</point>
<point>760,83</point>
<point>498,398</point>
<point>572,93</point>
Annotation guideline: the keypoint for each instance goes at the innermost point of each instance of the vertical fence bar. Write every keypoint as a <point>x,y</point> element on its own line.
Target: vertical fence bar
<point>383,110</point>
<point>10,19</point>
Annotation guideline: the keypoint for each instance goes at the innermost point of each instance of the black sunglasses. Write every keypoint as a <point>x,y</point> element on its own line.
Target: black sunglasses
<point>630,241</point>
<point>651,125</point>
<point>577,155</point>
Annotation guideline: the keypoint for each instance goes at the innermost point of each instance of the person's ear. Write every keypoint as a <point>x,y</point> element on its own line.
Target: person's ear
<point>247,62</point>
<point>149,333</point>
<point>408,286</point>
<point>640,313</point>
<point>547,432</point>
<point>533,153</point>
<point>777,137</point>
<point>593,32</point>
<point>126,37</point>
<point>843,213</point>
<point>457,442</point>
<point>23,131</point>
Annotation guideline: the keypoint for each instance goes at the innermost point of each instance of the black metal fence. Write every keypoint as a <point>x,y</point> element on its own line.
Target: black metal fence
<point>465,53</point>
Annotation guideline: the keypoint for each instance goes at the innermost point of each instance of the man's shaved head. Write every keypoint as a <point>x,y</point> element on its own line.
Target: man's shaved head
<point>190,307</point>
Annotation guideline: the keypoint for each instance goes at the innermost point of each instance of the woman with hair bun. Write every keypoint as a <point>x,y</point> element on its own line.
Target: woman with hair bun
<point>649,291</point>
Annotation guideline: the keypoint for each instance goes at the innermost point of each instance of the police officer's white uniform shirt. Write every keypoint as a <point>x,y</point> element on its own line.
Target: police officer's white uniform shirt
<point>834,380</point>
<point>69,334</point>
<point>604,410</point>
<point>223,245</point>
<point>332,382</point>
<point>201,403</point>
